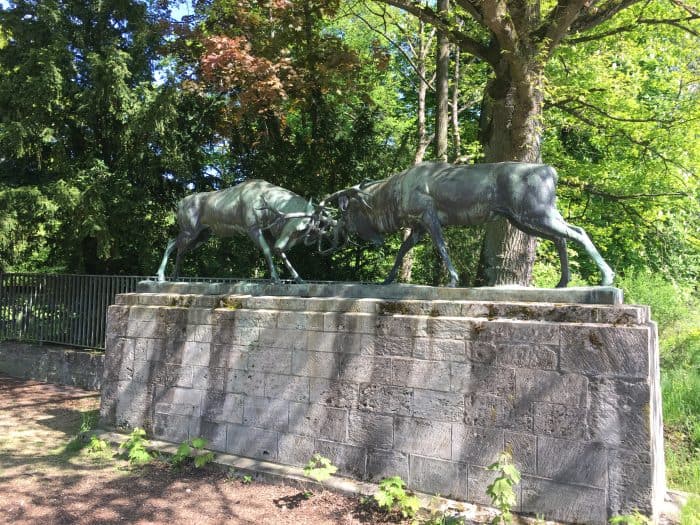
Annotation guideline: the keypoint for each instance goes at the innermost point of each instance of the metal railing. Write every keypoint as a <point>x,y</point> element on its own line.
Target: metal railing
<point>59,308</point>
<point>68,309</point>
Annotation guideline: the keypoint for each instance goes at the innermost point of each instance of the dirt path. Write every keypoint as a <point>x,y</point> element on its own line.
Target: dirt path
<point>44,481</point>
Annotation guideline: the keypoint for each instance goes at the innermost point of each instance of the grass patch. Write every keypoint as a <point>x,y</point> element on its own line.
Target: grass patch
<point>677,312</point>
<point>690,514</point>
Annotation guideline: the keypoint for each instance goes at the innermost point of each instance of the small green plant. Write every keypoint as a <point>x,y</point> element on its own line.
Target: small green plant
<point>319,468</point>
<point>193,450</point>
<point>690,513</point>
<point>88,421</point>
<point>393,497</point>
<point>134,448</point>
<point>246,479</point>
<point>97,445</point>
<point>636,518</point>
<point>501,490</point>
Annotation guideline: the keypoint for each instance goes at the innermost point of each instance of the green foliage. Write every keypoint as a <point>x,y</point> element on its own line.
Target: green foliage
<point>677,311</point>
<point>97,445</point>
<point>246,479</point>
<point>392,497</point>
<point>192,450</point>
<point>636,518</point>
<point>319,468</point>
<point>134,448</point>
<point>501,490</point>
<point>690,513</point>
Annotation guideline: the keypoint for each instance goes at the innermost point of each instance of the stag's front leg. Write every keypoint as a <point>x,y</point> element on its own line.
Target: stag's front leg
<point>257,235</point>
<point>432,224</point>
<point>406,246</point>
<point>289,266</point>
<point>168,250</point>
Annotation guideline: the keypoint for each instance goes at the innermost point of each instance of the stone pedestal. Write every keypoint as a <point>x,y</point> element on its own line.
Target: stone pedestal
<point>430,390</point>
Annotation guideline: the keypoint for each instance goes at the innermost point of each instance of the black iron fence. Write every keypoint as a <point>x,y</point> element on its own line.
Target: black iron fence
<point>59,308</point>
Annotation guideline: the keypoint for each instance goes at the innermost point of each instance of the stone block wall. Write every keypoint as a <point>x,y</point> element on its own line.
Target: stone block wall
<point>428,390</point>
<point>52,363</point>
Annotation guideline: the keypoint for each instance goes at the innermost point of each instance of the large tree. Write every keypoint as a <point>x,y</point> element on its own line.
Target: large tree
<point>517,39</point>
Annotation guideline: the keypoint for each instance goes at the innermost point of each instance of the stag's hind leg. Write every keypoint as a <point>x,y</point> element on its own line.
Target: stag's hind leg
<point>187,241</point>
<point>168,250</point>
<point>554,227</point>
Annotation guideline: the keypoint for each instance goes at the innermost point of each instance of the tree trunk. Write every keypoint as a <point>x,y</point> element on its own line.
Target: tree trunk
<point>510,130</point>
<point>442,86</point>
<point>456,138</point>
<point>422,139</point>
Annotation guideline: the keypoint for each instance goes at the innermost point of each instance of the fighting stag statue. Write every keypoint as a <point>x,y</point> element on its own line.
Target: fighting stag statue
<point>275,218</point>
<point>431,195</point>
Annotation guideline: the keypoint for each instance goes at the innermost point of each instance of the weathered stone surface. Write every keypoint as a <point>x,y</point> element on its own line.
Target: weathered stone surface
<point>476,445</point>
<point>350,460</point>
<point>245,382</point>
<point>292,388</point>
<point>431,390</point>
<point>438,406</point>
<point>516,332</point>
<point>215,434</point>
<point>541,357</point>
<point>440,349</point>
<point>295,450</point>
<point>383,464</point>
<point>273,360</point>
<point>631,485</point>
<point>619,416</point>
<point>223,407</point>
<point>333,393</point>
<point>447,478</point>
<point>350,323</point>
<point>470,378</point>
<point>488,410</point>
<point>385,399</point>
<point>523,448</point>
<point>607,351</point>
<point>552,387</point>
<point>572,461</point>
<point>370,430</point>
<point>478,479</point>
<point>423,437</point>
<point>560,421</point>
<point>265,412</point>
<point>574,503</point>
<point>308,419</point>
<point>433,375</point>
<point>258,443</point>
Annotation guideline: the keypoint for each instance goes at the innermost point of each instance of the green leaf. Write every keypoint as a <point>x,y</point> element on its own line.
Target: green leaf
<point>203,459</point>
<point>199,443</point>
<point>384,499</point>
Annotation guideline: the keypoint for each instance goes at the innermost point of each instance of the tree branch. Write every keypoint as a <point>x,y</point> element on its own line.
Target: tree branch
<point>676,22</point>
<point>472,8</point>
<point>580,103</point>
<point>592,190</point>
<point>401,50</point>
<point>597,15</point>
<point>466,42</point>
<point>558,22</point>
<point>645,145</point>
